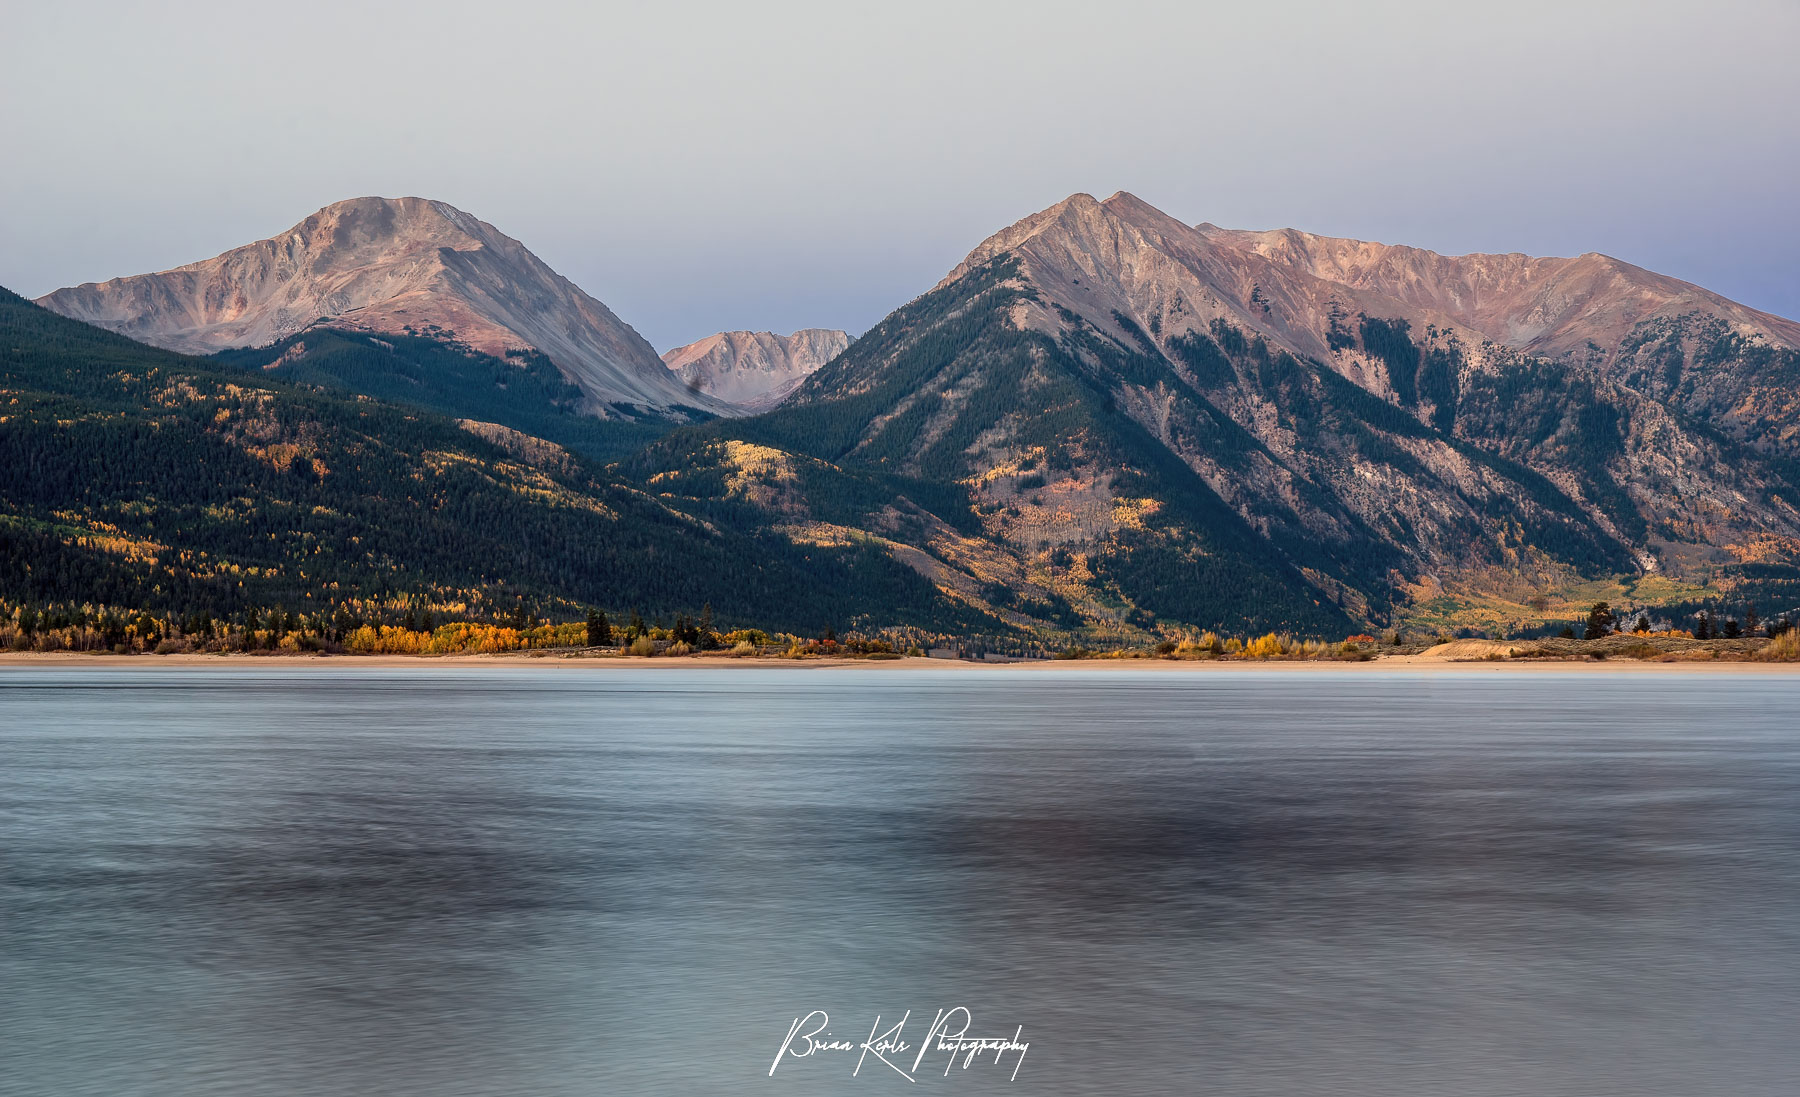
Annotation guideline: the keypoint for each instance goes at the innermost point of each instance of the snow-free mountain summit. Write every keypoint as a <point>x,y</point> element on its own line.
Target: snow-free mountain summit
<point>398,266</point>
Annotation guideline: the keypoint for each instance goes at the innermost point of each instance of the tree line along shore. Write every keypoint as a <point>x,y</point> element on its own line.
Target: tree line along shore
<point>365,629</point>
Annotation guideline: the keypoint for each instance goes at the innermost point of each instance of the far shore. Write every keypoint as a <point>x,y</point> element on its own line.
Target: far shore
<point>1426,661</point>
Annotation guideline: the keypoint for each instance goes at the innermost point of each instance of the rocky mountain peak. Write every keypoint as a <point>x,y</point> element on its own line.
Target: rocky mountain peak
<point>394,265</point>
<point>754,370</point>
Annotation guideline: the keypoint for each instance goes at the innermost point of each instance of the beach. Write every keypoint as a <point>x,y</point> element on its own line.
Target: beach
<point>1455,656</point>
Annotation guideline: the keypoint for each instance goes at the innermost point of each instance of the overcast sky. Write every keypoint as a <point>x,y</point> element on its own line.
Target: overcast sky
<point>708,166</point>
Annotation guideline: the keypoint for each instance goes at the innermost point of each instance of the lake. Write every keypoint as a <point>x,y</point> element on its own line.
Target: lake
<point>325,879</point>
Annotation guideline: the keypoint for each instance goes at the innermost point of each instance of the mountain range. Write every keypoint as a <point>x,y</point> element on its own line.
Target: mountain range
<point>1104,424</point>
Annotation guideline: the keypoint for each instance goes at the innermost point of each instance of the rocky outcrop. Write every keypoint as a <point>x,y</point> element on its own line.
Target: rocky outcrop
<point>406,265</point>
<point>754,370</point>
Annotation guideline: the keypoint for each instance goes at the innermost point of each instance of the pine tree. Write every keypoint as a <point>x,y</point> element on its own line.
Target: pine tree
<point>1703,627</point>
<point>1600,621</point>
<point>599,630</point>
<point>1752,622</point>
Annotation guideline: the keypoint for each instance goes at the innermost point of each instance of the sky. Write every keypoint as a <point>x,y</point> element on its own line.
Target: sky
<point>712,166</point>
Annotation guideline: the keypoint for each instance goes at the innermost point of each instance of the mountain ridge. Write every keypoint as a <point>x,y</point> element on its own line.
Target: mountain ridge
<point>1225,257</point>
<point>1384,267</point>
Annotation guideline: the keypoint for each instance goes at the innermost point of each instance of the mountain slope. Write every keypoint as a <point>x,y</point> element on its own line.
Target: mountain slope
<point>396,266</point>
<point>754,370</point>
<point>997,464</point>
<point>149,480</point>
<point>1642,467</point>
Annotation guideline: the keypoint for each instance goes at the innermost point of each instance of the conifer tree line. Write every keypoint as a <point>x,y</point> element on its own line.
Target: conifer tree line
<point>1704,625</point>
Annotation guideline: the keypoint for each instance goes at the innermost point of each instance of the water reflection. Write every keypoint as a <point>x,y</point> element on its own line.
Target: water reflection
<point>313,881</point>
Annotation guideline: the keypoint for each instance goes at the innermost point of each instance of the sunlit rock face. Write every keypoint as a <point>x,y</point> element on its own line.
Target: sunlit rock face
<point>402,265</point>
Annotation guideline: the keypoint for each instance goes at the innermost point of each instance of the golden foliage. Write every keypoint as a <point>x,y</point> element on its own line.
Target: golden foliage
<point>1267,646</point>
<point>461,639</point>
<point>1784,648</point>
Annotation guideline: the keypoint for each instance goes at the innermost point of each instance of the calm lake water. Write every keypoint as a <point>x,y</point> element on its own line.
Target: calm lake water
<point>342,881</point>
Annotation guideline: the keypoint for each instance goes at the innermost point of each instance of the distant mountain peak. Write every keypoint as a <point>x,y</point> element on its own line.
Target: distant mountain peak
<point>396,265</point>
<point>754,370</point>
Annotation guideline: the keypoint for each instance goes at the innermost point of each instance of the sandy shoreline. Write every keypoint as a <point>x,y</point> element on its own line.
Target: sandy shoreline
<point>1423,662</point>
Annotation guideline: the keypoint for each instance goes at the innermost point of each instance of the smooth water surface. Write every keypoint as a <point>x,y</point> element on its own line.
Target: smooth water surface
<point>436,882</point>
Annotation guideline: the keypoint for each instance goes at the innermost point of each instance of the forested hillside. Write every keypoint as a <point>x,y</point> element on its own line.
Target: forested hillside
<point>144,479</point>
<point>433,370</point>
